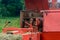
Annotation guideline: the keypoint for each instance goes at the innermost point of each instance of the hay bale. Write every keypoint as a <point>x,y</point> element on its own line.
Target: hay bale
<point>10,36</point>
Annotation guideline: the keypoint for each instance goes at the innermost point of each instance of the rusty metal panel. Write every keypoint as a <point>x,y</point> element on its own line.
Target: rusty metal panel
<point>52,21</point>
<point>36,4</point>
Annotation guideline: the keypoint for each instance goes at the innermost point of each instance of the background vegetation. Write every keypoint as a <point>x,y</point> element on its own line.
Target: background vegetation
<point>10,11</point>
<point>11,7</point>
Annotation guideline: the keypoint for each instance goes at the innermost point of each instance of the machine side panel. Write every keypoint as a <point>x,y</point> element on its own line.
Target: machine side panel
<point>51,36</point>
<point>52,22</point>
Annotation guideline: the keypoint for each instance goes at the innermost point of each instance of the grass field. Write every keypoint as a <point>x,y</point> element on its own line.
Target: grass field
<point>15,21</point>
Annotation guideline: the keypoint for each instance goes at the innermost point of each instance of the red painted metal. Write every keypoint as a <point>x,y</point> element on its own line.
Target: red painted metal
<point>11,29</point>
<point>26,36</point>
<point>17,30</point>
<point>51,21</point>
<point>31,36</point>
<point>30,25</point>
<point>39,4</point>
<point>51,36</point>
<point>38,35</point>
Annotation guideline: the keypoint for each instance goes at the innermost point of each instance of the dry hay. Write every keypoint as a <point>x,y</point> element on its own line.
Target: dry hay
<point>10,36</point>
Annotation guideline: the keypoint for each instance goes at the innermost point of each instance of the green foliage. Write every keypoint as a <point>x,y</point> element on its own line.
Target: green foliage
<point>11,10</point>
<point>15,22</point>
<point>11,7</point>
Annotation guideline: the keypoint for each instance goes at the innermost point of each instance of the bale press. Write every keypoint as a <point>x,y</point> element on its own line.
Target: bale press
<point>39,21</point>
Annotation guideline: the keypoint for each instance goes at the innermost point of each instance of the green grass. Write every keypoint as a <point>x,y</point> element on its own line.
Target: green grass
<point>15,22</point>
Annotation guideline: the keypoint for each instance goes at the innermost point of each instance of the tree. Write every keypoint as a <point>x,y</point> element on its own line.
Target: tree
<point>11,7</point>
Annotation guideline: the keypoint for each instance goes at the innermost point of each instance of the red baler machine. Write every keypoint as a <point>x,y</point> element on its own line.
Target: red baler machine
<point>39,21</point>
